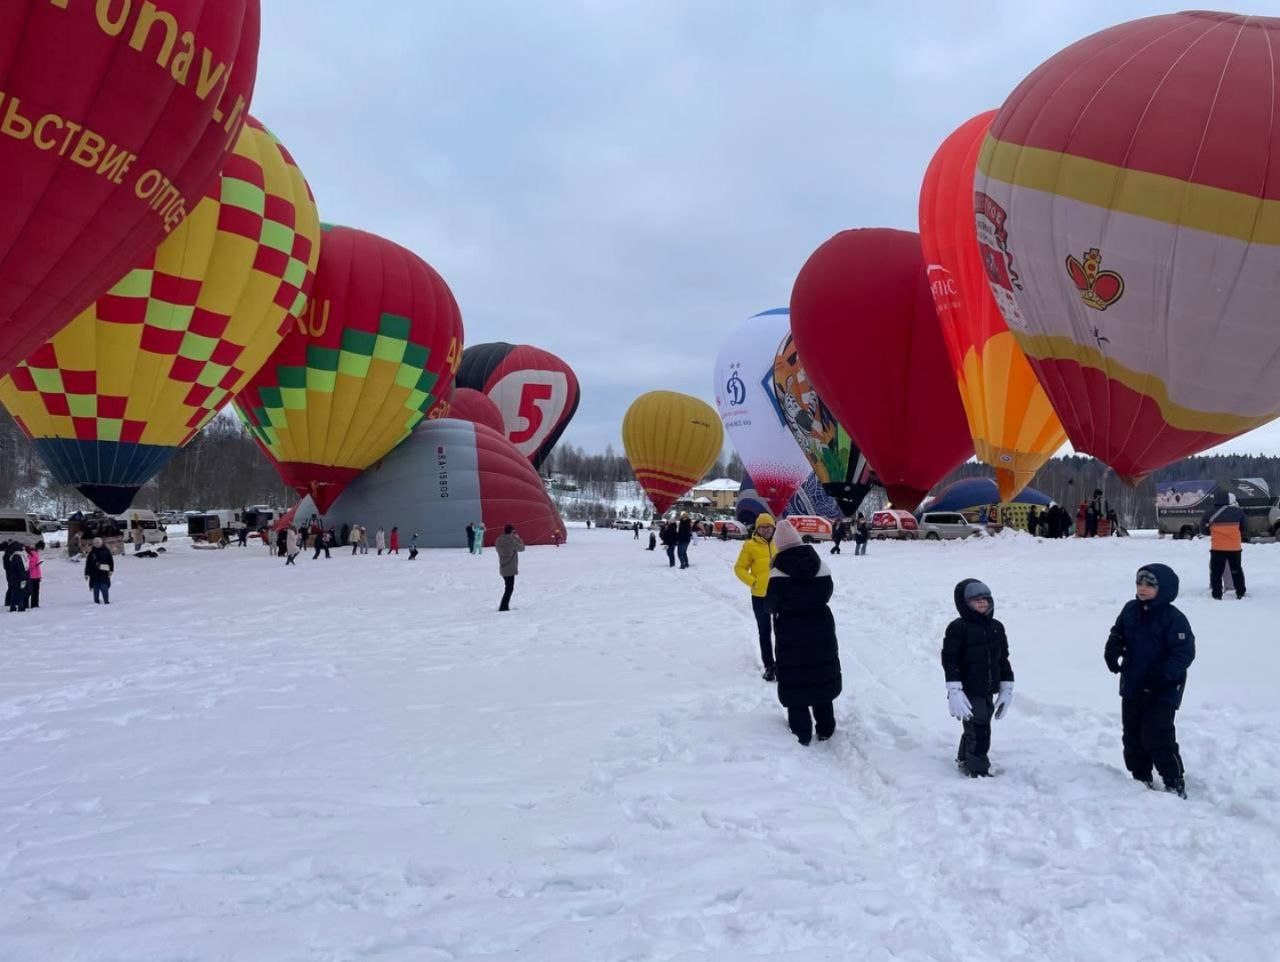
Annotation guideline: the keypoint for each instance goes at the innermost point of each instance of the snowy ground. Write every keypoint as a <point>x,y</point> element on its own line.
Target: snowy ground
<point>361,759</point>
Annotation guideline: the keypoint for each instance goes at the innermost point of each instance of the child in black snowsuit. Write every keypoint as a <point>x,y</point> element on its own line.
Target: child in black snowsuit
<point>805,648</point>
<point>975,658</point>
<point>1151,647</point>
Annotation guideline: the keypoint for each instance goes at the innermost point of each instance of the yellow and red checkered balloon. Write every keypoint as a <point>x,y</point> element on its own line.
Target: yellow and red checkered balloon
<point>111,397</point>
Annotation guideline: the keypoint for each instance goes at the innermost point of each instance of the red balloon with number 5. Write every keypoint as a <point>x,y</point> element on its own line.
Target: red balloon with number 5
<point>536,392</point>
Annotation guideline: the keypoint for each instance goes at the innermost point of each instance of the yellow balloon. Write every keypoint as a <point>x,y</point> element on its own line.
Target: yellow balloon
<point>672,440</point>
<point>113,395</point>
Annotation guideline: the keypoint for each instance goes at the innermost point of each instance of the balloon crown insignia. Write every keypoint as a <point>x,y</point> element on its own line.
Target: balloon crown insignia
<point>1099,289</point>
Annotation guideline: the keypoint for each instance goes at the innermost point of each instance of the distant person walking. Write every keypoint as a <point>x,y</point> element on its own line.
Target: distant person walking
<point>752,569</point>
<point>668,537</point>
<point>508,547</point>
<point>291,545</point>
<point>355,539</point>
<point>139,538</point>
<point>471,537</point>
<point>380,541</point>
<point>99,565</point>
<point>479,540</point>
<point>636,528</point>
<point>322,544</point>
<point>394,544</point>
<point>242,537</point>
<point>34,574</point>
<point>653,541</point>
<point>15,576</point>
<point>413,547</point>
<point>684,535</point>
<point>282,542</point>
<point>838,534</point>
<point>1227,526</point>
<point>1033,520</point>
<point>861,535</point>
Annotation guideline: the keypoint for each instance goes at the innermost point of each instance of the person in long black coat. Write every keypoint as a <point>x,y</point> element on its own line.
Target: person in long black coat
<point>838,535</point>
<point>975,659</point>
<point>806,652</point>
<point>684,535</point>
<point>668,538</point>
<point>1150,647</point>
<point>15,576</point>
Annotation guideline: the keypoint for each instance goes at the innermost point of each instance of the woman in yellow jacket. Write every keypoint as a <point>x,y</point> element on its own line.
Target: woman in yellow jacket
<point>752,570</point>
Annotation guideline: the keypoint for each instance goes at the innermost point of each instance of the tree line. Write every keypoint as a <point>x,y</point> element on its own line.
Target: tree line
<point>223,467</point>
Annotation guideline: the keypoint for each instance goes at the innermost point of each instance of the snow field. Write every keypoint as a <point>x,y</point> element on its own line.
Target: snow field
<point>361,759</point>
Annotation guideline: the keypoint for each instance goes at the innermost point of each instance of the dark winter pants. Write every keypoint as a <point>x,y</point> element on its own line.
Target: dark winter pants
<point>671,555</point>
<point>764,626</point>
<point>291,558</point>
<point>682,549</point>
<point>859,547</point>
<point>101,590</point>
<point>33,593</point>
<point>16,596</point>
<point>824,719</point>
<point>1150,739</point>
<point>835,549</point>
<point>325,549</point>
<point>510,582</point>
<point>1218,560</point>
<point>976,740</point>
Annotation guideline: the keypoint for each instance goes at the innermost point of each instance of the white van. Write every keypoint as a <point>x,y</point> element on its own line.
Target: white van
<point>20,527</point>
<point>139,519</point>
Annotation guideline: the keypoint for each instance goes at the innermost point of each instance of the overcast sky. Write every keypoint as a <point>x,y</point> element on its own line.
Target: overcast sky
<point>622,183</point>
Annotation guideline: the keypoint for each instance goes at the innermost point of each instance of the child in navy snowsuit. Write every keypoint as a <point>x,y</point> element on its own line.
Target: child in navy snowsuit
<point>975,658</point>
<point>1151,647</point>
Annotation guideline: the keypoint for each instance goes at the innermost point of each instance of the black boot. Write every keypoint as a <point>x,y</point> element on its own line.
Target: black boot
<point>770,673</point>
<point>1178,788</point>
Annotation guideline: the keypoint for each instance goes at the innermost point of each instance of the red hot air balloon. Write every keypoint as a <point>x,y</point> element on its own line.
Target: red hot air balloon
<point>1126,201</point>
<point>115,118</point>
<point>536,392</point>
<point>864,322</point>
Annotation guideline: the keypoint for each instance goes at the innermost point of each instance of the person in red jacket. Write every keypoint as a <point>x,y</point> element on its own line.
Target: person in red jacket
<point>394,546</point>
<point>1227,527</point>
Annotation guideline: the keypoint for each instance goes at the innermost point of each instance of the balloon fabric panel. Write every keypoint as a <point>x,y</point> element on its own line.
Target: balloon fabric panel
<point>111,397</point>
<point>1128,202</point>
<point>113,130</point>
<point>1010,418</point>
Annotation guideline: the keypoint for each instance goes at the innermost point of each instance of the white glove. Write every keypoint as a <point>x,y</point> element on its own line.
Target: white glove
<point>958,701</point>
<point>1004,699</point>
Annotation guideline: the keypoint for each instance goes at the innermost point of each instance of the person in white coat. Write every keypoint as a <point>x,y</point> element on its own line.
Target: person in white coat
<point>291,546</point>
<point>380,541</point>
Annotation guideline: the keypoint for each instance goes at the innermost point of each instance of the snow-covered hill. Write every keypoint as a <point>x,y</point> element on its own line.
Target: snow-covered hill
<point>361,759</point>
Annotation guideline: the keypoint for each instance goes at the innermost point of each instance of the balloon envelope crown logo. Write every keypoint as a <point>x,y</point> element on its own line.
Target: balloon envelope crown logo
<point>1098,288</point>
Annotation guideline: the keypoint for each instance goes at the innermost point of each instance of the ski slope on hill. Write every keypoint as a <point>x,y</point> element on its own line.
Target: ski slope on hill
<point>361,759</point>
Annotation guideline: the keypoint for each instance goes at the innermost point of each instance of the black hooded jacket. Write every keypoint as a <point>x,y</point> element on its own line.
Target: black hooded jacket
<point>1152,645</point>
<point>806,650</point>
<point>684,533</point>
<point>975,651</point>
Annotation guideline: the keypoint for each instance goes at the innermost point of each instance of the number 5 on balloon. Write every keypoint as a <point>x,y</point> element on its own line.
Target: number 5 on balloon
<point>530,411</point>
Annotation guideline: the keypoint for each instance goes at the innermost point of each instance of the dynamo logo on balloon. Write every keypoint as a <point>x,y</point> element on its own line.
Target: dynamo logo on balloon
<point>736,390</point>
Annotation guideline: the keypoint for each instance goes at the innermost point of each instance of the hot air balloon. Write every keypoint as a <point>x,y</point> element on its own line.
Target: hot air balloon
<point>837,464</point>
<point>114,395</point>
<point>671,440</point>
<point>375,350</point>
<point>446,474</point>
<point>1011,420</point>
<point>750,412</point>
<point>469,405</point>
<point>864,323</point>
<point>1125,203</point>
<point>115,119</point>
<point>536,392</point>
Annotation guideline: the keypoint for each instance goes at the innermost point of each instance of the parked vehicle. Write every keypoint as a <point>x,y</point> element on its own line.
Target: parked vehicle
<point>256,518</point>
<point>947,525</point>
<point>894,523</point>
<point>213,527</point>
<point>83,528</point>
<point>153,532</point>
<point>735,530</point>
<point>811,527</point>
<point>1180,505</point>
<point>20,527</point>
<point>48,523</point>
